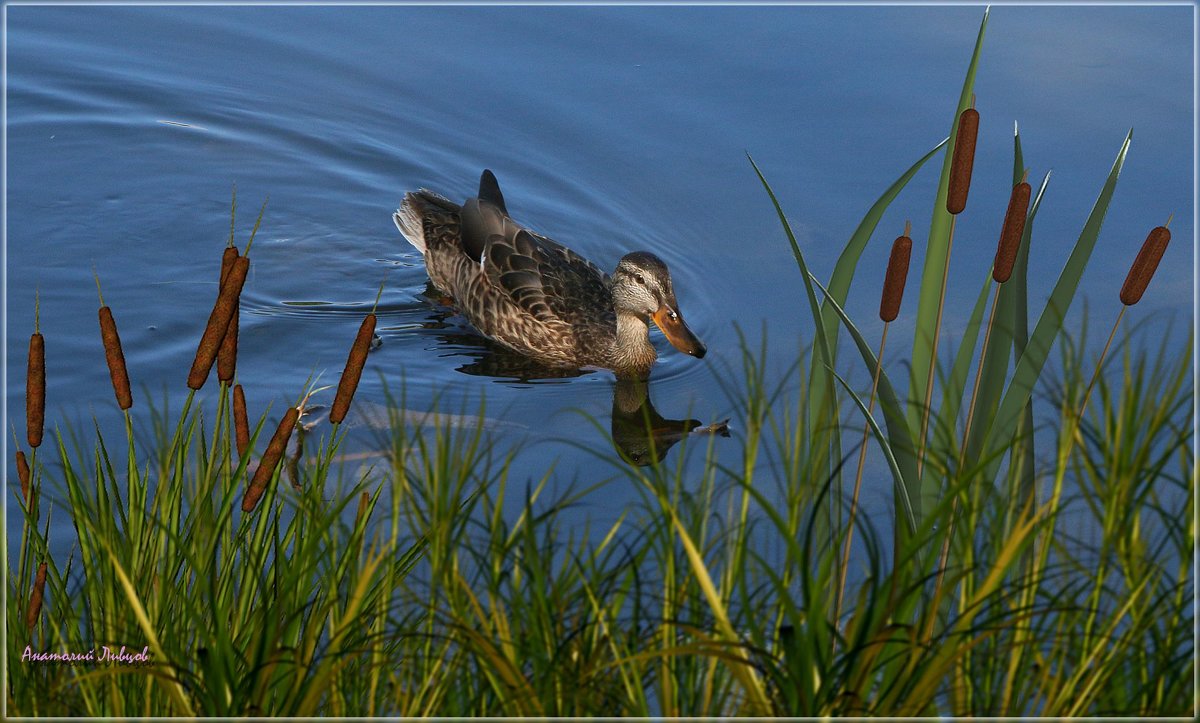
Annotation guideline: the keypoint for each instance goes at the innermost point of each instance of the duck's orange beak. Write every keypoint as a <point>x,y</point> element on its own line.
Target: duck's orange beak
<point>677,332</point>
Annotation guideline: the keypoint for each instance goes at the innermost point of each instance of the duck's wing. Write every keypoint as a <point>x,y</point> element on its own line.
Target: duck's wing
<point>544,278</point>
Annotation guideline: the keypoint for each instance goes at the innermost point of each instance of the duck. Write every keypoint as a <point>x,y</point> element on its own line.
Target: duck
<point>537,297</point>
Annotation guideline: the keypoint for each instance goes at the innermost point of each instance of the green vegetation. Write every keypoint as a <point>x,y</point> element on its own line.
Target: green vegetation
<point>1012,581</point>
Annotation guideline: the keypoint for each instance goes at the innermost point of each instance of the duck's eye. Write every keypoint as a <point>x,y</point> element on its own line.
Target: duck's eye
<point>640,279</point>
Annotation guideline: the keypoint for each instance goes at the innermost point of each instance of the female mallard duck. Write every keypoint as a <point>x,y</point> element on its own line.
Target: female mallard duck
<point>538,297</point>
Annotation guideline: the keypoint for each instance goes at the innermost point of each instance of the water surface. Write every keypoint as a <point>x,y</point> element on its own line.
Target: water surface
<point>610,128</point>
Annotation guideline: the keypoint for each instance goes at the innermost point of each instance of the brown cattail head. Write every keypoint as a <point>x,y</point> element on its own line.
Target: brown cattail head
<point>363,500</point>
<point>228,256</point>
<point>353,371</point>
<point>893,282</point>
<point>227,355</point>
<point>1145,265</point>
<point>270,460</point>
<point>1010,233</point>
<point>218,322</point>
<point>115,358</point>
<point>963,161</point>
<point>35,391</point>
<point>36,597</point>
<point>241,423</point>
<point>23,474</point>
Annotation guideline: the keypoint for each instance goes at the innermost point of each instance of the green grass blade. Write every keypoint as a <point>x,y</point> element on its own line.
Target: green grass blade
<point>1013,305</point>
<point>847,264</point>
<point>1029,367</point>
<point>936,252</point>
<point>900,435</point>
<point>902,497</point>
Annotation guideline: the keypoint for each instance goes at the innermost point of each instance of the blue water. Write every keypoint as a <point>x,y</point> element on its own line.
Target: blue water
<point>610,128</point>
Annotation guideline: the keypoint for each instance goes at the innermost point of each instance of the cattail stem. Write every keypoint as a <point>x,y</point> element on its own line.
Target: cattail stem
<point>862,460</point>
<point>944,555</point>
<point>218,323</point>
<point>241,422</point>
<point>36,597</point>
<point>353,371</point>
<point>937,330</point>
<point>1087,394</point>
<point>270,460</point>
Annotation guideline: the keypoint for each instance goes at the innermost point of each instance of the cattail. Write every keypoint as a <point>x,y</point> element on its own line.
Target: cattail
<point>897,275</point>
<point>36,597</point>
<point>240,423</point>
<point>218,323</point>
<point>115,358</point>
<point>227,355</point>
<point>363,500</point>
<point>270,460</point>
<point>23,474</point>
<point>35,390</point>
<point>1010,233</point>
<point>1145,265</point>
<point>962,161</point>
<point>353,371</point>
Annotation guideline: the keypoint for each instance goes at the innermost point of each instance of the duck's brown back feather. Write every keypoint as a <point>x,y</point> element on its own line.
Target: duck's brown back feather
<point>517,287</point>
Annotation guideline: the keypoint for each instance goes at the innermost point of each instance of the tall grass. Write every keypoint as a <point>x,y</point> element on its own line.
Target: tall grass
<point>411,588</point>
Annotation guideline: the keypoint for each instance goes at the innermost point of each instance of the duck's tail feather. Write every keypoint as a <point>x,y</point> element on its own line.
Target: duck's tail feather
<point>410,217</point>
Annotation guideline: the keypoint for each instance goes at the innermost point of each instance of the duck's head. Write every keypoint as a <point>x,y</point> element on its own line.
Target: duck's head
<point>641,286</point>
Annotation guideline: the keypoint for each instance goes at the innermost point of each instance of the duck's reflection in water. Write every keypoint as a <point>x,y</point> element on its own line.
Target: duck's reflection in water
<point>640,434</point>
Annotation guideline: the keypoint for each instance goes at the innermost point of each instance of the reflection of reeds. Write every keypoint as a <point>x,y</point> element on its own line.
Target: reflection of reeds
<point>270,460</point>
<point>36,597</point>
<point>218,323</point>
<point>353,371</point>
